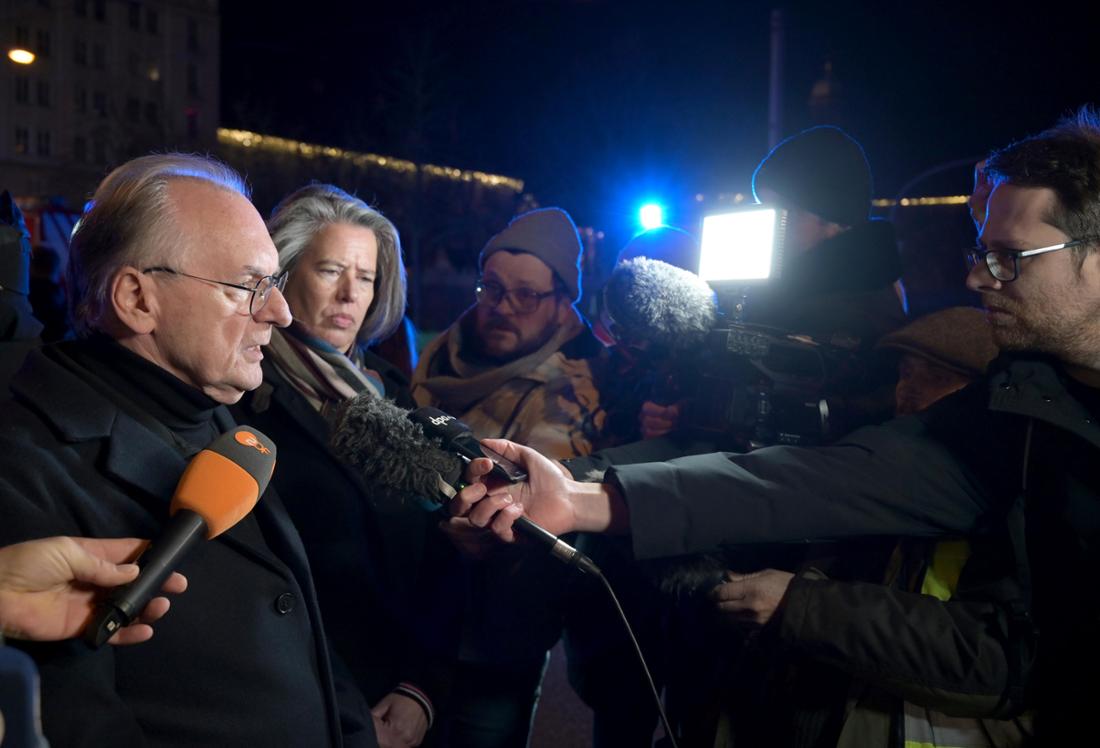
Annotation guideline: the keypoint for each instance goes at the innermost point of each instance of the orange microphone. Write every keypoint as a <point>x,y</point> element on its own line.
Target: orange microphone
<point>219,487</point>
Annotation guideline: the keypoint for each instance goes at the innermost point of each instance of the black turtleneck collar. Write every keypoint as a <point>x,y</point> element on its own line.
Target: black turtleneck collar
<point>182,408</point>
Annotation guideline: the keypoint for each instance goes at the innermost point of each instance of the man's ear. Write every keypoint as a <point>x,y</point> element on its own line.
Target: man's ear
<point>133,300</point>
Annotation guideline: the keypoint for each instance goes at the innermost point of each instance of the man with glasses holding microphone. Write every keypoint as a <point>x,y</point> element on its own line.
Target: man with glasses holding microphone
<point>516,365</point>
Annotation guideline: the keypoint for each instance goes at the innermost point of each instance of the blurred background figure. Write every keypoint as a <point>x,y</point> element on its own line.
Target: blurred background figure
<point>374,582</point>
<point>47,293</point>
<point>633,372</point>
<point>19,330</point>
<point>939,353</point>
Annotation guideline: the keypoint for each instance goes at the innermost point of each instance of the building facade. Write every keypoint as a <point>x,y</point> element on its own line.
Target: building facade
<point>110,79</point>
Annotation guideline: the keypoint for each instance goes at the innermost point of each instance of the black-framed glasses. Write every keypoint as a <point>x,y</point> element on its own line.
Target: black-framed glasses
<point>1004,264</point>
<point>524,300</point>
<point>261,290</point>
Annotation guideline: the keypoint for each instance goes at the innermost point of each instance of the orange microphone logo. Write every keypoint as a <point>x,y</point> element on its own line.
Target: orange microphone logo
<point>250,440</point>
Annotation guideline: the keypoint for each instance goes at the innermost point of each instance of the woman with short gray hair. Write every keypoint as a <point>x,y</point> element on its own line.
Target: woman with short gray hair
<point>346,290</point>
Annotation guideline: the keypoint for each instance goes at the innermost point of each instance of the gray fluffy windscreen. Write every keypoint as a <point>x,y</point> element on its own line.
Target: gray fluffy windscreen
<point>376,438</point>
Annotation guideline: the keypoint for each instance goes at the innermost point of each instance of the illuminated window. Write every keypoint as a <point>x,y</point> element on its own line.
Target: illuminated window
<point>22,140</point>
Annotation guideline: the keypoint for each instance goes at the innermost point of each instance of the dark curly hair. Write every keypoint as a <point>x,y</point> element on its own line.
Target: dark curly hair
<point>1065,159</point>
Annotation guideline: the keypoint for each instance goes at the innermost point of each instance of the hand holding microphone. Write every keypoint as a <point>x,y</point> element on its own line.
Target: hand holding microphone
<point>422,454</point>
<point>221,485</point>
<point>48,587</point>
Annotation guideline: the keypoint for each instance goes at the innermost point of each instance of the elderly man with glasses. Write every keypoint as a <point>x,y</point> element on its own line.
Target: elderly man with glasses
<point>175,292</point>
<point>517,365</point>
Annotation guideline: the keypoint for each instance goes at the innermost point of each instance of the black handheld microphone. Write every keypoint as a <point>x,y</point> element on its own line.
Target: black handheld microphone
<point>395,454</point>
<point>455,437</point>
<point>221,485</point>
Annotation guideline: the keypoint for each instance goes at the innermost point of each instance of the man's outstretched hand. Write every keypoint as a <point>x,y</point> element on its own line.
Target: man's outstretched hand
<point>49,587</point>
<point>549,497</point>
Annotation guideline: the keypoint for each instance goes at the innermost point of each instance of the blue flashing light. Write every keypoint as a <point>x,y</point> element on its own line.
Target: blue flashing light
<point>651,215</point>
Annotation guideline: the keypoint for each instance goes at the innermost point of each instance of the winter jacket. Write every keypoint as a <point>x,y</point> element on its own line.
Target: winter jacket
<point>240,660</point>
<point>1009,462</point>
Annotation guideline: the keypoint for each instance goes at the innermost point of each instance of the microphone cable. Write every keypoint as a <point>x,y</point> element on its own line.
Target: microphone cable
<point>595,571</point>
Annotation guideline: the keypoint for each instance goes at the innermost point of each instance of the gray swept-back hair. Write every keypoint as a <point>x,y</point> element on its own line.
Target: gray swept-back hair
<point>305,212</point>
<point>129,222</point>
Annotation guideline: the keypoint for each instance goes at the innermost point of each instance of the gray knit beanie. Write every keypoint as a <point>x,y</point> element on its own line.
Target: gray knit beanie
<point>957,338</point>
<point>550,235</point>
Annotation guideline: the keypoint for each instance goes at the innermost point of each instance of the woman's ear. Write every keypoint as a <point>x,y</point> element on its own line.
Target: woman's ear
<point>133,300</point>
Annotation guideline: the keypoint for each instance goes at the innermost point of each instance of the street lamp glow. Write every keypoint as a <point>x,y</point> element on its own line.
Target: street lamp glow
<point>651,216</point>
<point>21,56</point>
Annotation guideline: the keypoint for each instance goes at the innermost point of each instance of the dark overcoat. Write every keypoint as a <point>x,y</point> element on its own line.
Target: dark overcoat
<point>240,660</point>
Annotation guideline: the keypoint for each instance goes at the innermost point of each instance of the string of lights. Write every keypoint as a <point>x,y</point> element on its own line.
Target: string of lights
<point>271,143</point>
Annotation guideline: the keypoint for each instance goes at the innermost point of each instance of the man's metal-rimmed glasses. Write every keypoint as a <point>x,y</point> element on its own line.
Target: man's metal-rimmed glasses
<point>1004,264</point>
<point>524,300</point>
<point>261,290</point>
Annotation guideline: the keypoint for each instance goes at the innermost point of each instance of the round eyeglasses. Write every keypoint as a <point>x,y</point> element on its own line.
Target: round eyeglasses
<point>524,300</point>
<point>258,293</point>
<point>1004,264</point>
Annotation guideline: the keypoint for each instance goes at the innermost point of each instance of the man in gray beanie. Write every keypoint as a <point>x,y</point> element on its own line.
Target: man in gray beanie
<point>517,364</point>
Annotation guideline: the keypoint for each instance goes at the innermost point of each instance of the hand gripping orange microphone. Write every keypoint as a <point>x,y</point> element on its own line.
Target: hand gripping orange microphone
<point>219,487</point>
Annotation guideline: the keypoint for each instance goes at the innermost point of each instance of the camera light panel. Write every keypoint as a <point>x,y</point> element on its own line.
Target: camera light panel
<point>740,246</point>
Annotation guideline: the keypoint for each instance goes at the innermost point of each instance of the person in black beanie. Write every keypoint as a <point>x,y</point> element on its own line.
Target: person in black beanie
<point>840,283</point>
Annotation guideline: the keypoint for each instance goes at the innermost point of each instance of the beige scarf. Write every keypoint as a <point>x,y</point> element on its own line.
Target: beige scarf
<point>321,374</point>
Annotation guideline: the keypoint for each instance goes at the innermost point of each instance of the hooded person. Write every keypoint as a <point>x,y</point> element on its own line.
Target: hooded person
<point>840,279</point>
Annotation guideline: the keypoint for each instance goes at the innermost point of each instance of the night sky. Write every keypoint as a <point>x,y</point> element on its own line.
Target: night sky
<point>600,104</point>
